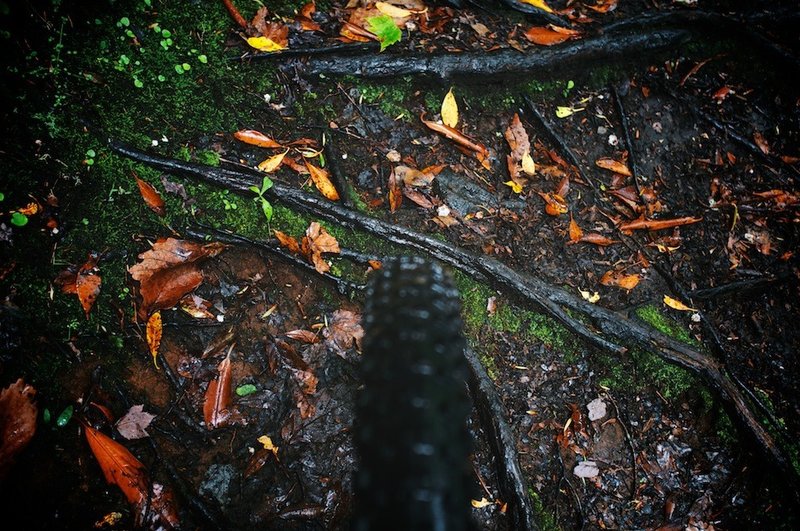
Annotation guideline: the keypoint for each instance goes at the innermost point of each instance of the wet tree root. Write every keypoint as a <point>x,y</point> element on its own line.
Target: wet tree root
<point>599,327</point>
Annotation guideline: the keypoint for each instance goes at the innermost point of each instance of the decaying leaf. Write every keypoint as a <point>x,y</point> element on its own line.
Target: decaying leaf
<point>318,241</point>
<point>133,425</point>
<point>395,192</point>
<point>603,6</point>
<point>304,19</point>
<point>18,414</point>
<point>255,138</point>
<point>575,232</point>
<point>304,336</point>
<point>266,441</point>
<point>761,142</point>
<point>519,159</point>
<point>554,204</point>
<point>614,165</point>
<point>122,469</point>
<point>550,35</point>
<point>195,306</point>
<point>322,181</point>
<point>153,332</point>
<point>151,197</point>
<point>273,163</point>
<point>87,284</point>
<point>479,504</point>
<point>216,406</point>
<point>596,239</point>
<point>273,37</point>
<point>658,224</point>
<point>343,330</point>
<point>287,242</point>
<point>677,305</point>
<point>479,150</point>
<point>619,279</point>
<point>450,110</point>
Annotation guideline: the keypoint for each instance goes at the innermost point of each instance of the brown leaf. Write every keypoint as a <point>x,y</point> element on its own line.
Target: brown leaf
<point>121,468</point>
<point>614,165</point>
<point>166,287</point>
<point>563,187</point>
<point>418,197</point>
<point>322,181</point>
<point>170,252</point>
<point>619,279</point>
<point>343,330</point>
<point>196,307</point>
<point>288,242</point>
<point>520,146</point>
<point>151,197</point>
<point>554,204</point>
<point>548,36</point>
<point>603,6</point>
<point>303,18</point>
<point>153,332</point>
<point>761,142</point>
<point>18,414</point>
<point>318,241</point>
<point>255,138</point>
<point>575,232</point>
<point>133,425</point>
<point>395,192</point>
<point>597,239</point>
<point>304,336</point>
<point>87,287</point>
<point>216,410</point>
<point>479,150</point>
<point>658,224</point>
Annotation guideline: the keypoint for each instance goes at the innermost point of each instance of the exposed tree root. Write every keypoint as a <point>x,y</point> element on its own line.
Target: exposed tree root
<point>608,330</point>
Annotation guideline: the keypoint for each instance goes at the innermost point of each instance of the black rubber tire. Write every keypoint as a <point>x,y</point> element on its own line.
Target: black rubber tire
<point>411,416</point>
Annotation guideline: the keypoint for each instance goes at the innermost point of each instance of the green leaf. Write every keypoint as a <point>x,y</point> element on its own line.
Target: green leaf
<point>267,208</point>
<point>2,196</point>
<point>255,190</point>
<point>266,184</point>
<point>124,21</point>
<point>46,416</point>
<point>138,83</point>
<point>20,220</point>
<point>202,58</point>
<point>64,417</point>
<point>247,389</point>
<point>91,153</point>
<point>385,29</point>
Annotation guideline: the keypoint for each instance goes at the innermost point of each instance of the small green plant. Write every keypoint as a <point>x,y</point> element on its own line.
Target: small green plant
<point>266,206</point>
<point>570,86</point>
<point>19,219</point>
<point>385,29</point>
<point>90,155</point>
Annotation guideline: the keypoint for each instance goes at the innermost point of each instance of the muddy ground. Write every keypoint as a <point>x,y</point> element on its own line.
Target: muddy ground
<point>709,127</point>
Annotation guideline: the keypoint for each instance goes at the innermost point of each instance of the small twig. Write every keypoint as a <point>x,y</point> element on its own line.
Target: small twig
<point>235,14</point>
<point>626,135</point>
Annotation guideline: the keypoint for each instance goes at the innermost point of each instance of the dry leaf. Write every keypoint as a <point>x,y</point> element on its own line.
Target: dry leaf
<point>548,36</point>
<point>343,330</point>
<point>255,138</point>
<point>479,504</point>
<point>87,284</point>
<point>658,224</point>
<point>153,332</point>
<point>273,163</point>
<point>304,336</point>
<point>614,165</point>
<point>268,445</point>
<point>761,142</point>
<point>151,197</point>
<point>520,146</point>
<point>575,232</point>
<point>619,279</point>
<point>216,411</point>
<point>18,414</point>
<point>479,150</point>
<point>288,242</point>
<point>604,6</point>
<point>318,241</point>
<point>450,110</point>
<point>304,19</point>
<point>554,204</point>
<point>539,4</point>
<point>586,469</point>
<point>677,305</point>
<point>133,425</point>
<point>322,181</point>
<point>395,192</point>
<point>196,307</point>
<point>596,239</point>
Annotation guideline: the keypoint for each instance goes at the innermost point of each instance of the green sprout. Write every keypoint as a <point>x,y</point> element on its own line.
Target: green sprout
<point>266,206</point>
<point>570,86</point>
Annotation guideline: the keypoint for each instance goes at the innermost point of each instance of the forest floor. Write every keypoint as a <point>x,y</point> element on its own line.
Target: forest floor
<point>683,189</point>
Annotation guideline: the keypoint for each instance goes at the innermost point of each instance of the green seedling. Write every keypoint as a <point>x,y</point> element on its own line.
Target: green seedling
<point>266,206</point>
<point>65,416</point>
<point>570,86</point>
<point>19,219</point>
<point>385,29</point>
<point>247,389</point>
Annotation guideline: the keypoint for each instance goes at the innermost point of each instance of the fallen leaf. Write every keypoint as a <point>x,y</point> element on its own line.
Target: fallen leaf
<point>554,204</point>
<point>121,468</point>
<point>479,504</point>
<point>255,138</point>
<point>153,332</point>
<point>619,279</point>
<point>273,163</point>
<point>287,241</point>
<point>343,331</point>
<point>514,185</point>
<point>450,110</point>
<point>266,441</point>
<point>586,469</point>
<point>133,425</point>
<point>479,150</point>
<point>304,336</point>
<point>520,146</point>
<point>392,11</point>
<point>304,19</point>
<point>318,241</point>
<point>658,224</point>
<point>216,406</point>
<point>196,307</point>
<point>548,36</point>
<point>614,165</point>
<point>18,413</point>
<point>565,112</point>
<point>575,232</point>
<point>322,181</point>
<point>87,284</point>
<point>395,192</point>
<point>539,4</point>
<point>761,142</point>
<point>597,409</point>
<point>596,239</point>
<point>677,305</point>
<point>604,6</point>
<point>151,197</point>
<point>591,297</point>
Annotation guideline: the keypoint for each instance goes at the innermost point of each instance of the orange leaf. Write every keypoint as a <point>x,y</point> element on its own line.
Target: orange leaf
<point>87,286</point>
<point>597,239</point>
<point>678,305</point>
<point>151,197</point>
<point>304,336</point>
<point>119,466</point>
<point>18,414</point>
<point>619,279</point>
<point>153,332</point>
<point>273,163</point>
<point>288,242</point>
<point>604,6</point>
<point>548,36</point>
<point>322,181</point>
<point>395,192</point>
<point>218,396</point>
<point>563,187</point>
<point>555,204</point>
<point>480,151</point>
<point>575,231</point>
<point>658,224</point>
<point>318,241</point>
<point>255,138</point>
<point>166,287</point>
<point>613,165</point>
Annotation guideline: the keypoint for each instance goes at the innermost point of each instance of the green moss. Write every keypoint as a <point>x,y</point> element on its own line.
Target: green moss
<point>208,157</point>
<point>392,98</point>
<point>545,518</point>
<point>489,364</point>
<point>642,370</point>
<point>653,316</point>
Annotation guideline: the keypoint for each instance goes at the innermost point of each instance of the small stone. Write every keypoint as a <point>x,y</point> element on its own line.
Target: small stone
<point>597,409</point>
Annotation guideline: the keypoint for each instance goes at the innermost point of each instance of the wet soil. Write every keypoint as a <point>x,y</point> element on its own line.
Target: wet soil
<point>664,452</point>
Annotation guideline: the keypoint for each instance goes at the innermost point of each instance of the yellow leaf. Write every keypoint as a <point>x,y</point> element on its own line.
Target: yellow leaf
<point>515,186</point>
<point>482,503</point>
<point>591,297</point>
<point>267,442</point>
<point>392,11</point>
<point>322,181</point>
<point>450,110</point>
<point>264,44</point>
<point>528,166</point>
<point>272,163</point>
<point>677,305</point>
<point>154,335</point>
<point>540,4</point>
<point>563,112</point>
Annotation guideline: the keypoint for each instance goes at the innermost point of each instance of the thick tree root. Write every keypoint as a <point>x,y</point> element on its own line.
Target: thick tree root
<point>610,331</point>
